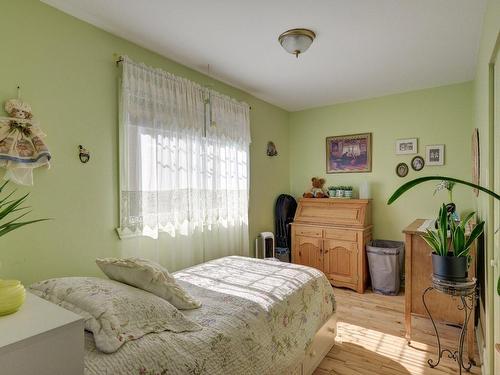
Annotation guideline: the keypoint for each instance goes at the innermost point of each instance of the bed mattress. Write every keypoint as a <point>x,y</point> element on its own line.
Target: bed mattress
<point>258,317</point>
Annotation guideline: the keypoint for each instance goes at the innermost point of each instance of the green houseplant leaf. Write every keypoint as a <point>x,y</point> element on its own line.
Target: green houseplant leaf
<point>9,207</point>
<point>443,230</point>
<point>411,184</point>
<point>432,239</point>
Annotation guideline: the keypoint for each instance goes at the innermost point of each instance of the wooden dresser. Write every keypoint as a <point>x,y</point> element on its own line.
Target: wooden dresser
<point>331,235</point>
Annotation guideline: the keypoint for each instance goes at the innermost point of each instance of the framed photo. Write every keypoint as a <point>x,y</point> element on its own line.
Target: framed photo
<point>402,169</point>
<point>349,153</point>
<point>417,163</point>
<point>406,146</point>
<point>434,155</point>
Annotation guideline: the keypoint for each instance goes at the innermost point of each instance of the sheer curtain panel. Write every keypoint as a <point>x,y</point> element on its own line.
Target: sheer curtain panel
<point>184,166</point>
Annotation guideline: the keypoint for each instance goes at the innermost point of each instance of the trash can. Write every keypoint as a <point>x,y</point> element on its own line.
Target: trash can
<point>385,260</point>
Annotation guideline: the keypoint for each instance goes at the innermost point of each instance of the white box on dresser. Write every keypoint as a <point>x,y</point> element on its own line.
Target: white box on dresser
<point>41,339</point>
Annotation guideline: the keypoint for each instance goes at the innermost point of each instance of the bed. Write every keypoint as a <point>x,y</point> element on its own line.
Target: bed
<point>258,317</point>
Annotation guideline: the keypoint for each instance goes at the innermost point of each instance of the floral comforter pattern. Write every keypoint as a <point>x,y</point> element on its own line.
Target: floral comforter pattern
<point>258,317</point>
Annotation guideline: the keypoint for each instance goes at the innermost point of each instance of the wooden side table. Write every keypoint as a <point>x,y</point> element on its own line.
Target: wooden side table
<point>418,277</point>
<point>467,292</point>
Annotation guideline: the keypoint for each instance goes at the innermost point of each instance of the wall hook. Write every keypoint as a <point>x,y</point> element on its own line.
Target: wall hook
<point>84,154</point>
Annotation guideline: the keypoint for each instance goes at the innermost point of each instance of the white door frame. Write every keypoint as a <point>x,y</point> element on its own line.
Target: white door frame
<point>493,246</point>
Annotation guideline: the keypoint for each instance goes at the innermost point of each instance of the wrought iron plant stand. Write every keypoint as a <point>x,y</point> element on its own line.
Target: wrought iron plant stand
<point>467,291</point>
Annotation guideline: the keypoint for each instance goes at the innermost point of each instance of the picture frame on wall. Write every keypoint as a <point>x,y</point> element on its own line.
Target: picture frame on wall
<point>417,163</point>
<point>349,153</point>
<point>402,169</point>
<point>434,155</point>
<point>406,146</point>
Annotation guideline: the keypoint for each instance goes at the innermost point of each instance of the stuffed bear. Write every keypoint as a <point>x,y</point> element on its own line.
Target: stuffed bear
<point>317,190</point>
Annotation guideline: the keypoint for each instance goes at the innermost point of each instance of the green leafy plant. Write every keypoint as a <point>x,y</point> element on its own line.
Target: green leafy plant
<point>459,242</point>
<point>411,184</point>
<point>10,206</point>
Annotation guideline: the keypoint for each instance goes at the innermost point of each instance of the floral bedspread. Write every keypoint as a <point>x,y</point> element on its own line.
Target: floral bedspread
<point>258,317</point>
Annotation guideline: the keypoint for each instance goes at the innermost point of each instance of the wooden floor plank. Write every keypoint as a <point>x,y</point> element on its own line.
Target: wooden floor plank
<point>371,340</point>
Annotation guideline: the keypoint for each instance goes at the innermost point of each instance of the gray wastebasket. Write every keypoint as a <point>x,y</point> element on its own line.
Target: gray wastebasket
<point>385,260</point>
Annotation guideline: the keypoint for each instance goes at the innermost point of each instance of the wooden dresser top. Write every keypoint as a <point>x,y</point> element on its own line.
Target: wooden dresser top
<point>354,213</point>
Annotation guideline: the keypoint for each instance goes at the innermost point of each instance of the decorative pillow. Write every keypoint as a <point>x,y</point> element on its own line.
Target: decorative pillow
<point>114,312</point>
<point>147,275</point>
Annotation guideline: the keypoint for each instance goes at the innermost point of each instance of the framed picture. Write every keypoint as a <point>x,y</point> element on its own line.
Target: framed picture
<point>406,146</point>
<point>349,153</point>
<point>402,169</point>
<point>417,163</point>
<point>434,155</point>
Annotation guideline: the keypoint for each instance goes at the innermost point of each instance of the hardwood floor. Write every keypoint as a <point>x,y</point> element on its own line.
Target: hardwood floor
<point>371,339</point>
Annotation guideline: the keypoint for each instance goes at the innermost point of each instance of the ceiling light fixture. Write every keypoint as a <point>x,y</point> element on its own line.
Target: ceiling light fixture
<point>296,41</point>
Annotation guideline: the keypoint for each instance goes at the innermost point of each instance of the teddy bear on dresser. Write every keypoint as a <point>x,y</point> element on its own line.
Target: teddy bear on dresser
<point>317,190</point>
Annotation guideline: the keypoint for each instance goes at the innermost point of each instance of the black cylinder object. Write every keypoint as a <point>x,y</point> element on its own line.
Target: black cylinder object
<point>284,214</point>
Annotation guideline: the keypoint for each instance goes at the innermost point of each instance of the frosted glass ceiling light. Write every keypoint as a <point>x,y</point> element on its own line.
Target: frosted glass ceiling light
<point>296,41</point>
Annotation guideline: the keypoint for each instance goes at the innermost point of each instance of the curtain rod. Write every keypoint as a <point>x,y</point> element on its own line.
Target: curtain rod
<point>121,59</point>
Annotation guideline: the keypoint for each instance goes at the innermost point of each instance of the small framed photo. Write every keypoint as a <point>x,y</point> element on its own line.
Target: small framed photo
<point>417,163</point>
<point>406,146</point>
<point>434,154</point>
<point>402,169</point>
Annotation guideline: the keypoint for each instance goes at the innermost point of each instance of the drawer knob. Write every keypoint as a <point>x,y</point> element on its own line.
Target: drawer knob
<point>312,353</point>
<point>331,329</point>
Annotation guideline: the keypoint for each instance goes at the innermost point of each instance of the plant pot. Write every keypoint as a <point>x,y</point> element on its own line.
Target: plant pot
<point>340,193</point>
<point>348,193</point>
<point>449,267</point>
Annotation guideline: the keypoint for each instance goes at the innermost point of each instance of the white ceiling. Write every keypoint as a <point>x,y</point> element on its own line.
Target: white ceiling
<point>363,48</point>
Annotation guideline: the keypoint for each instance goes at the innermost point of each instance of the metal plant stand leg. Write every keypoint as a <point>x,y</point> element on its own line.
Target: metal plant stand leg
<point>440,353</point>
<point>467,313</point>
<point>468,293</point>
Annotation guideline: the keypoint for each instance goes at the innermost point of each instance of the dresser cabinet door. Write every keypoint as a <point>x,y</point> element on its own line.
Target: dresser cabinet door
<point>341,261</point>
<point>308,252</point>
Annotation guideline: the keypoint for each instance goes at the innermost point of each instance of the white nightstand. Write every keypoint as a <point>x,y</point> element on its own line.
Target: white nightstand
<point>41,339</point>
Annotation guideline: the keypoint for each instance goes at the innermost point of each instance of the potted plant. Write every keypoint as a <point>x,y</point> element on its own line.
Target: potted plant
<point>340,192</point>
<point>12,292</point>
<point>451,253</point>
<point>332,190</point>
<point>348,192</point>
<point>410,184</point>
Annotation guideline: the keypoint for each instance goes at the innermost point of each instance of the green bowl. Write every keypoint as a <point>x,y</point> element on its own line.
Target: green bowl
<point>12,296</point>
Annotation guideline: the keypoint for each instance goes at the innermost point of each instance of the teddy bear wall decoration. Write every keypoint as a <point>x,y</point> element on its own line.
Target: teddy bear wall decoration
<point>21,143</point>
<point>318,190</point>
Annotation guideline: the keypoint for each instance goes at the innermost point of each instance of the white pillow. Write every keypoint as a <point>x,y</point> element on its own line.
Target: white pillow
<point>147,275</point>
<point>114,312</point>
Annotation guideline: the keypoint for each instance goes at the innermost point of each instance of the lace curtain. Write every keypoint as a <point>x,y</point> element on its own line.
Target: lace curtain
<point>184,168</point>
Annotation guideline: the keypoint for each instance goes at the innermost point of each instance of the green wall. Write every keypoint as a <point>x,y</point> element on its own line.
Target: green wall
<point>440,115</point>
<point>483,120</point>
<point>67,73</point>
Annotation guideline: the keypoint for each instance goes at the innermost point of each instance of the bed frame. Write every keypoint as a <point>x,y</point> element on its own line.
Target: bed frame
<point>322,343</point>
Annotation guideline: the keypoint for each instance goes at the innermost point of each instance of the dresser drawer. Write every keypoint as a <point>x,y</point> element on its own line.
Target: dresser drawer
<point>308,231</point>
<point>341,234</point>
